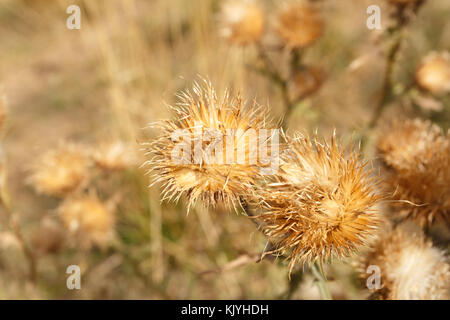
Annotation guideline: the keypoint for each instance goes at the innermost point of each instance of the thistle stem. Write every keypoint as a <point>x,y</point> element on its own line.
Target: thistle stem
<point>402,22</point>
<point>321,281</point>
<point>15,227</point>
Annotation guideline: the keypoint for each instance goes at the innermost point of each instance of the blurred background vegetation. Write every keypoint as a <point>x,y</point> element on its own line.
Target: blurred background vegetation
<point>115,75</point>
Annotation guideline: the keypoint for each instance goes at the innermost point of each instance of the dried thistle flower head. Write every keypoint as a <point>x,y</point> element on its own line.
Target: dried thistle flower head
<point>322,203</point>
<point>60,171</point>
<point>306,82</point>
<point>88,220</point>
<point>416,155</point>
<point>299,24</point>
<point>243,21</point>
<point>411,268</point>
<point>433,74</point>
<point>113,156</point>
<point>206,152</point>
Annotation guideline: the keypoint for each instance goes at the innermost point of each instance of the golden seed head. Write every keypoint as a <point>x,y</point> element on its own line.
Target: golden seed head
<point>433,74</point>
<point>113,156</point>
<point>299,24</point>
<point>322,203</point>
<point>59,172</point>
<point>243,21</point>
<point>88,219</point>
<point>416,155</point>
<point>306,82</point>
<point>205,172</point>
<point>410,267</point>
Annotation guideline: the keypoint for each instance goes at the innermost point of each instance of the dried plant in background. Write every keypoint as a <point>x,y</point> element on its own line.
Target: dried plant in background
<point>416,155</point>
<point>89,221</point>
<point>60,171</point>
<point>411,268</point>
<point>299,24</point>
<point>322,204</point>
<point>113,156</point>
<point>305,82</point>
<point>433,74</point>
<point>242,21</point>
<point>49,237</point>
<point>403,13</point>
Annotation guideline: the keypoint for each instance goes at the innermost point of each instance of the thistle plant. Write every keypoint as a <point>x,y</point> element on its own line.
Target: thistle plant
<point>70,173</point>
<point>60,171</point>
<point>321,202</point>
<point>411,267</point>
<point>211,173</point>
<point>89,221</point>
<point>433,74</point>
<point>416,158</point>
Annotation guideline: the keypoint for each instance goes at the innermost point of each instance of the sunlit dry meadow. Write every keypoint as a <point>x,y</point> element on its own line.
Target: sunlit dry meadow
<point>76,107</point>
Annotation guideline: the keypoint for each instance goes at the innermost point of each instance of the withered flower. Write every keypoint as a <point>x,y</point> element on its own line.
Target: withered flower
<point>113,156</point>
<point>211,151</point>
<point>242,21</point>
<point>433,74</point>
<point>416,157</point>
<point>89,221</point>
<point>410,267</point>
<point>322,203</point>
<point>299,24</point>
<point>60,171</point>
